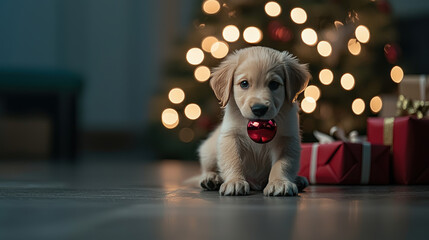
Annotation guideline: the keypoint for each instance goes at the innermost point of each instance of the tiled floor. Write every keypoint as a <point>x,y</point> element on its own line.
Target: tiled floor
<point>131,200</point>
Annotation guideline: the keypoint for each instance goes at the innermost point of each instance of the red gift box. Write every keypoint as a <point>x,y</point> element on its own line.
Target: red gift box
<point>345,163</point>
<point>409,138</point>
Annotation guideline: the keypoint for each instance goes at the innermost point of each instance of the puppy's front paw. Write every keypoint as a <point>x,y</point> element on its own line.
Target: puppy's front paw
<point>301,183</point>
<point>210,181</point>
<point>281,188</point>
<point>234,187</point>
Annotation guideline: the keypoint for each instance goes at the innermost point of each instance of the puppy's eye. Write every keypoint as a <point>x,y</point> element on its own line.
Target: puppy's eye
<point>273,85</point>
<point>244,84</point>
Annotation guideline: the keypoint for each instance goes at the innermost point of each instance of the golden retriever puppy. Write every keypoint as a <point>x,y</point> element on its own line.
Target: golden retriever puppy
<point>255,83</point>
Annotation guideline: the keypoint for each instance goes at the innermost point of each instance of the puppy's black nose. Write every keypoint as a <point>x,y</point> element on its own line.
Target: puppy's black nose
<point>259,109</point>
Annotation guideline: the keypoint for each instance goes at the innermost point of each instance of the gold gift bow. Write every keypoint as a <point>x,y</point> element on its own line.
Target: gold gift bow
<point>406,107</point>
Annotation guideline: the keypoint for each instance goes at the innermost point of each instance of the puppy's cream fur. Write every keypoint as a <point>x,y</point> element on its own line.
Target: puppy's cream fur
<point>230,160</point>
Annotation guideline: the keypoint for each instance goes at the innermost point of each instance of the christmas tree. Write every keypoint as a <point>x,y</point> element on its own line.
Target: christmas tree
<point>350,47</point>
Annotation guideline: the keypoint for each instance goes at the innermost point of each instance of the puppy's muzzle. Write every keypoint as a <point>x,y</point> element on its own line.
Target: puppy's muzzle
<point>259,110</point>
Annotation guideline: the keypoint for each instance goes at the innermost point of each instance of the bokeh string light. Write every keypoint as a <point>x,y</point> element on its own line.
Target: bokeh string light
<point>313,92</point>
<point>326,76</point>
<point>362,34</point>
<point>211,6</point>
<point>208,42</point>
<point>397,74</point>
<point>192,111</point>
<point>273,9</point>
<point>358,106</point>
<point>376,104</point>
<point>202,73</point>
<point>219,49</point>
<point>195,56</point>
<point>309,36</point>
<point>252,35</point>
<point>347,81</point>
<point>176,95</point>
<point>354,46</point>
<point>170,118</point>
<point>298,15</point>
<point>186,135</point>
<point>231,33</point>
<point>308,104</point>
<point>324,48</point>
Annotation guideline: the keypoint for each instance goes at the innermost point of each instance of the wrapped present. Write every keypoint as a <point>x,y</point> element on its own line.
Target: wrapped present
<point>409,139</point>
<point>345,163</point>
<point>414,96</point>
<point>415,87</point>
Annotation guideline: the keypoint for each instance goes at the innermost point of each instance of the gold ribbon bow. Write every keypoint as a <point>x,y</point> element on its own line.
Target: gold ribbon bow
<point>407,107</point>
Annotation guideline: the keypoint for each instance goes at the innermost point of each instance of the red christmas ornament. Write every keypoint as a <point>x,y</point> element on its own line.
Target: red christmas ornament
<point>391,52</point>
<point>284,34</point>
<point>278,32</point>
<point>384,6</point>
<point>261,131</point>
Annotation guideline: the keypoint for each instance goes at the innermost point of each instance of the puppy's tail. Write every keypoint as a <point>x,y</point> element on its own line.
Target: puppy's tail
<point>193,181</point>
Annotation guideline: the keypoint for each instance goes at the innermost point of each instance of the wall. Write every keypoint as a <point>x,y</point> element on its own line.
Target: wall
<point>118,46</point>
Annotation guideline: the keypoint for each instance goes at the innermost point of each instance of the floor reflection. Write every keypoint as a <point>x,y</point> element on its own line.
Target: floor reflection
<point>325,217</point>
<point>173,173</point>
<point>111,200</point>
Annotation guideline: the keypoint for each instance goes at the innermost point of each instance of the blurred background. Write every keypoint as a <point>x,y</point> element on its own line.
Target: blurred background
<point>127,79</point>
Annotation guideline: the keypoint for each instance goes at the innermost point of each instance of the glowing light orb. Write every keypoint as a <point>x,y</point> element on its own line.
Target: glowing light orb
<point>252,35</point>
<point>192,111</point>
<point>219,50</point>
<point>186,135</point>
<point>195,56</point>
<point>308,104</point>
<point>376,104</point>
<point>202,73</point>
<point>326,76</point>
<point>176,95</point>
<point>273,9</point>
<point>298,15</point>
<point>211,6</point>
<point>397,74</point>
<point>347,81</point>
<point>309,36</point>
<point>231,33</point>
<point>313,92</point>
<point>170,118</point>
<point>354,46</point>
<point>208,42</point>
<point>358,106</point>
<point>362,34</point>
<point>324,48</point>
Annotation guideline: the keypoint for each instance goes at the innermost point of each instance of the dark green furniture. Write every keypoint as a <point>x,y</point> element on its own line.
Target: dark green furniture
<point>52,93</point>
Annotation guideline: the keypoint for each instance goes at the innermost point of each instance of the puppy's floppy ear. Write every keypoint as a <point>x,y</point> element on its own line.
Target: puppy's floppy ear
<point>297,76</point>
<point>222,79</point>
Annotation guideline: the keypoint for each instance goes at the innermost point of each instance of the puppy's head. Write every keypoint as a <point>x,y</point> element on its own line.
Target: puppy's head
<point>260,80</point>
